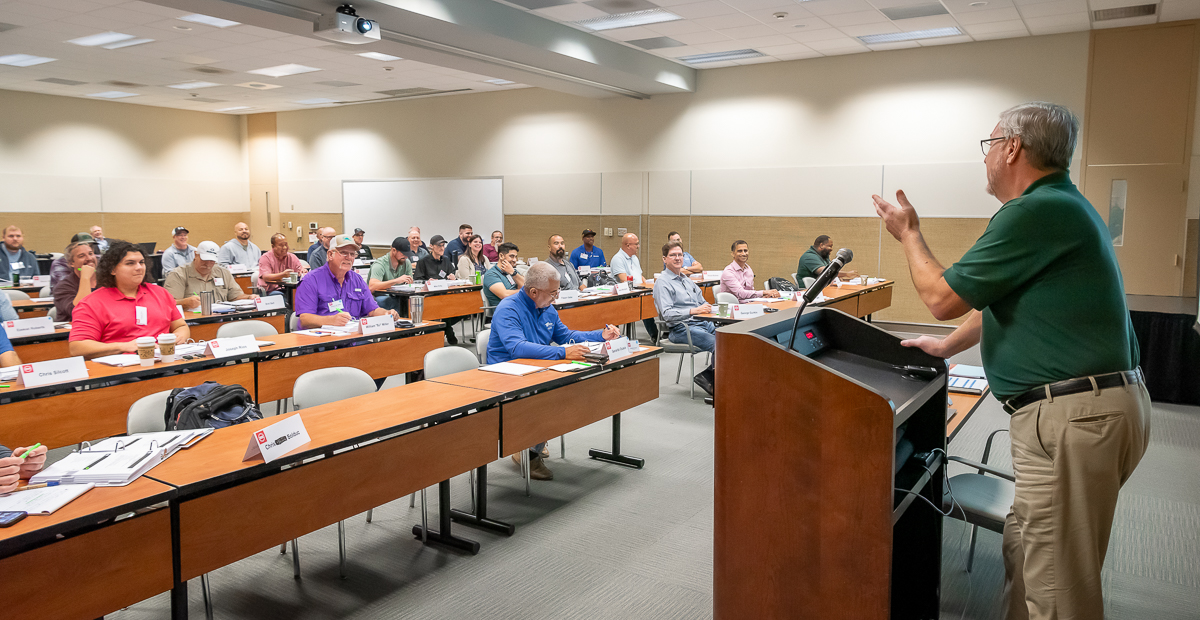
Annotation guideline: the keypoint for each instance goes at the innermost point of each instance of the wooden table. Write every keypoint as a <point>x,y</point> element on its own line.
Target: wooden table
<point>450,430</point>
<point>380,356</point>
<point>33,291</point>
<point>33,308</point>
<point>244,280</point>
<point>99,565</point>
<point>592,314</point>
<point>965,405</point>
<point>708,286</point>
<point>453,302</point>
<point>855,300</point>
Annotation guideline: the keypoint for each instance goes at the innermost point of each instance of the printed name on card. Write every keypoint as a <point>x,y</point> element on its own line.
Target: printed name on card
<point>277,439</point>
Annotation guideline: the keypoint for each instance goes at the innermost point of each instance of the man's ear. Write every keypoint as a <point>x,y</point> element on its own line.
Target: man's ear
<point>1014,149</point>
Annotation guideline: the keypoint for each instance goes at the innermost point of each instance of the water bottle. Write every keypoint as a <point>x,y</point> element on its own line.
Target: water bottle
<point>416,307</point>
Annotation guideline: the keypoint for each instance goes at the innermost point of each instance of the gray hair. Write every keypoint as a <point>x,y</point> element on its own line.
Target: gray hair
<point>1048,132</point>
<point>539,276</point>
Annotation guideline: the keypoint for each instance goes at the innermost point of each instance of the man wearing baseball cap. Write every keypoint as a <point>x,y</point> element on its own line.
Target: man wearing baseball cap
<point>364,252</point>
<point>203,274</point>
<point>588,255</point>
<point>438,266</point>
<point>388,271</point>
<point>335,294</point>
<point>180,253</point>
<point>61,266</point>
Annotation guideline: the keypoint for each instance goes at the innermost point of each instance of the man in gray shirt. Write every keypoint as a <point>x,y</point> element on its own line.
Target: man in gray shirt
<point>240,250</point>
<point>568,278</point>
<point>180,253</point>
<point>678,300</point>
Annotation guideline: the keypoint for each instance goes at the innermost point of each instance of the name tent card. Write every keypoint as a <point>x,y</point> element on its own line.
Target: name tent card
<point>382,324</point>
<point>585,270</point>
<point>40,326</point>
<point>618,348</point>
<point>270,302</point>
<point>229,347</point>
<point>40,280</point>
<point>277,439</point>
<point>437,285</point>
<point>623,288</point>
<point>564,296</point>
<point>747,311</point>
<point>53,371</point>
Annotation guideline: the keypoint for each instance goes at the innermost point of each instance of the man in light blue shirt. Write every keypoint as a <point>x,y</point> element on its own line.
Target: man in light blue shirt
<point>180,253</point>
<point>15,261</point>
<point>240,250</point>
<point>524,326</point>
<point>588,255</point>
<point>690,265</point>
<point>678,300</point>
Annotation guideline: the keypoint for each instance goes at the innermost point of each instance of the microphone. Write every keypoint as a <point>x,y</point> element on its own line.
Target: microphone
<point>844,256</point>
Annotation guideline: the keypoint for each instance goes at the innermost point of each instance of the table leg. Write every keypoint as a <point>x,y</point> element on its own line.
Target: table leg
<point>179,592</point>
<point>443,536</point>
<point>615,456</point>
<point>480,518</point>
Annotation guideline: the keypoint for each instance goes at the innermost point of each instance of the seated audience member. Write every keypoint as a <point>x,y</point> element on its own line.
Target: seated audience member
<point>678,300</point>
<point>690,265</point>
<point>61,266</point>
<point>525,325</point>
<point>588,255</point>
<point>502,280</point>
<point>318,253</point>
<point>277,264</point>
<point>335,294</point>
<point>240,250</point>
<point>102,242</point>
<point>364,252</point>
<point>492,250</point>
<point>473,261</point>
<point>627,268</point>
<point>738,277</point>
<point>123,308</point>
<point>458,245</point>
<point>203,274</point>
<point>388,271</point>
<point>15,466</point>
<point>416,248</point>
<point>15,261</point>
<point>8,355</point>
<point>816,258</point>
<point>438,266</point>
<point>77,284</point>
<point>7,311</point>
<point>568,277</point>
<point>180,253</point>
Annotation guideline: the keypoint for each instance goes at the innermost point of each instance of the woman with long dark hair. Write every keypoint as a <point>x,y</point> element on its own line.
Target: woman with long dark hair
<point>472,260</point>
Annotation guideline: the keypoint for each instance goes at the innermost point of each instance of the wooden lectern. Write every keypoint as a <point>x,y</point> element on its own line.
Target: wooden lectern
<point>810,447</point>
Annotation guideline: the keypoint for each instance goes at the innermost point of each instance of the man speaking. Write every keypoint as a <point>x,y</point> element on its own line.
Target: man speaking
<point>1046,300</point>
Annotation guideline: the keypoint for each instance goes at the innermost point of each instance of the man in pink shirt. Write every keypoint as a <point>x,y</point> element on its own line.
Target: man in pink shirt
<point>277,264</point>
<point>738,277</point>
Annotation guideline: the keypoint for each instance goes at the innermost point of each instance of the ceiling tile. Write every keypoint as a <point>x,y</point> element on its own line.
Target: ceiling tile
<point>721,46</point>
<point>671,29</point>
<point>899,45</point>
<point>1008,26</point>
<point>801,25</point>
<point>983,17</point>
<point>964,6</point>
<point>757,42</point>
<point>708,8</point>
<point>670,3</point>
<point>1122,23</point>
<point>818,35</point>
<point>866,29</point>
<point>696,38</point>
<point>1057,7</point>
<point>1052,24</point>
<point>1173,11</point>
<point>1011,34</point>
<point>785,50</point>
<point>836,7</point>
<point>748,32</point>
<point>889,4</point>
<point>945,41</point>
<point>767,15</point>
<point>571,12</point>
<point>676,52</point>
<point>856,18</point>
<point>800,55</point>
<point>832,44</point>
<point>842,51</point>
<point>928,23</point>
<point>733,20</point>
<point>629,34</point>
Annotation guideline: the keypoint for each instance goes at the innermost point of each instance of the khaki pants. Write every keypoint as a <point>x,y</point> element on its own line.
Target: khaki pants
<point>1071,454</point>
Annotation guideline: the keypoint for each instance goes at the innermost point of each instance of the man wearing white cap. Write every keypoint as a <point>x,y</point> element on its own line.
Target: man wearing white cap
<point>335,294</point>
<point>203,274</point>
<point>180,253</point>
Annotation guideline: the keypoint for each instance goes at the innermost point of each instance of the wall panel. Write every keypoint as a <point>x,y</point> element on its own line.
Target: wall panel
<point>942,190</point>
<point>32,193</point>
<point>657,227</point>
<point>552,194</point>
<point>670,192</point>
<point>622,193</point>
<point>123,195</point>
<point>310,196</point>
<point>949,239</point>
<point>833,191</point>
<point>532,232</point>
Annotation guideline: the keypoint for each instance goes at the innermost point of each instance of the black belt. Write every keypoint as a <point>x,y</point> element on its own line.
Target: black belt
<point>1073,386</point>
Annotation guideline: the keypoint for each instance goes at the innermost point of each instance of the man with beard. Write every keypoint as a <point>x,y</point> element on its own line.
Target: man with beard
<point>568,277</point>
<point>816,259</point>
<point>79,283</point>
<point>240,250</point>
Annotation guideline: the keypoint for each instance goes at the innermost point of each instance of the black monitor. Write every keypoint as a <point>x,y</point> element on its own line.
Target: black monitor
<point>147,248</point>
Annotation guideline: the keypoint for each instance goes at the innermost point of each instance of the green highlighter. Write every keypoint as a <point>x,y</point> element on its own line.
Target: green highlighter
<point>30,449</point>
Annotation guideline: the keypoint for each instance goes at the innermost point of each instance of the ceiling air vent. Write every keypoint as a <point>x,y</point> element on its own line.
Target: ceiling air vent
<point>1123,12</point>
<point>909,12</point>
<point>62,81</point>
<point>210,70</point>
<point>124,84</point>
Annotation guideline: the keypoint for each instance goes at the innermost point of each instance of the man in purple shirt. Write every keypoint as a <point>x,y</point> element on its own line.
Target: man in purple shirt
<point>335,294</point>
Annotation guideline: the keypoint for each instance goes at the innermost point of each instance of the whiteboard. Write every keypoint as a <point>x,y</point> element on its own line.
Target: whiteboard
<point>387,209</point>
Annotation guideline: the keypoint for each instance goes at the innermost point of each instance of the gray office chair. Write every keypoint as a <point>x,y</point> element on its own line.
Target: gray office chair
<point>53,314</point>
<point>148,415</point>
<point>294,322</point>
<point>682,349</point>
<point>481,344</point>
<point>726,298</point>
<point>320,387</point>
<point>978,499</point>
<point>258,329</point>
<point>795,279</point>
<point>808,282</point>
<point>17,296</point>
<point>487,310</point>
<point>447,361</point>
<point>45,292</point>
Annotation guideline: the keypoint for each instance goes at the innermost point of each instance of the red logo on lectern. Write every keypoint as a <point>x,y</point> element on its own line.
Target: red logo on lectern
<point>8,323</point>
<point>261,437</point>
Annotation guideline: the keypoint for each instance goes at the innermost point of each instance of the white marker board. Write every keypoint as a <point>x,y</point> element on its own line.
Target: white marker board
<point>387,209</point>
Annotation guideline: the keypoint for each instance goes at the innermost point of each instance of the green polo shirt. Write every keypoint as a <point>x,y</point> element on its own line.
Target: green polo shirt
<point>810,262</point>
<point>381,269</point>
<point>1046,278</point>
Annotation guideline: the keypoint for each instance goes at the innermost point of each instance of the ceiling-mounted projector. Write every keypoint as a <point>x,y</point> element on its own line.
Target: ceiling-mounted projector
<point>345,26</point>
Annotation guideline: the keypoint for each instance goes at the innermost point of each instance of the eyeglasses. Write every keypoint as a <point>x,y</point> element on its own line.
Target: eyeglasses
<point>986,144</point>
<point>348,253</point>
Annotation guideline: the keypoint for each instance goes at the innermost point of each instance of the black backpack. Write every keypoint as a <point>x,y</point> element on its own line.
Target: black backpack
<point>209,405</point>
<point>781,284</point>
<point>601,278</point>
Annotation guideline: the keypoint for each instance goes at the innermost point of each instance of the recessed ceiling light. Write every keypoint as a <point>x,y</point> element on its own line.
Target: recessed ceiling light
<point>24,60</point>
<point>208,20</point>
<point>780,15</point>
<point>316,101</point>
<point>104,38</point>
<point>282,70</point>
<point>113,94</point>
<point>913,35</point>
<point>258,85</point>
<point>184,28</point>
<point>978,4</point>
<point>129,43</point>
<point>722,56</point>
<point>499,82</point>
<point>625,20</point>
<point>235,108</point>
<point>379,56</point>
<point>799,25</point>
<point>192,85</point>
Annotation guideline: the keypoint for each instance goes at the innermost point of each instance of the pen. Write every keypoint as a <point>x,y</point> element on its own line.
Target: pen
<point>5,386</point>
<point>31,487</point>
<point>30,449</point>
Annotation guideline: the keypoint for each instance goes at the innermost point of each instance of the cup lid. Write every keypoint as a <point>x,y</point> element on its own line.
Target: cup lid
<point>145,340</point>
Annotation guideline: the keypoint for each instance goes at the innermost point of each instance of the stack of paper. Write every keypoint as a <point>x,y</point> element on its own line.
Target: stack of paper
<point>242,304</point>
<point>117,461</point>
<point>43,501</point>
<point>10,373</point>
<point>131,359</point>
<point>512,368</point>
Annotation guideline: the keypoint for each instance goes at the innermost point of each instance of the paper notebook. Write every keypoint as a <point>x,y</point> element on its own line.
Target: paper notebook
<point>117,461</point>
<point>43,501</point>
<point>964,385</point>
<point>512,368</point>
<point>970,372</point>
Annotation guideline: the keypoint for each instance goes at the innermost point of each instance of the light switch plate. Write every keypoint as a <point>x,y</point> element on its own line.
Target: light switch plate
<point>622,231</point>
<point>312,225</point>
<point>607,232</point>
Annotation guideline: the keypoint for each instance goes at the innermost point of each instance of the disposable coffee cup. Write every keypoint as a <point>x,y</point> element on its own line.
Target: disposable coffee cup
<point>166,347</point>
<point>145,350</point>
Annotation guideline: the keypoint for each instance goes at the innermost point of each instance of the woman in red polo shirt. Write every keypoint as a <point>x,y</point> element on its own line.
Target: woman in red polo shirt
<point>123,307</point>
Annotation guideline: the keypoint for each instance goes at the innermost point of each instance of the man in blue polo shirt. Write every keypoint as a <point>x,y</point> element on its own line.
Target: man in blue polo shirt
<point>335,294</point>
<point>588,255</point>
<point>523,327</point>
